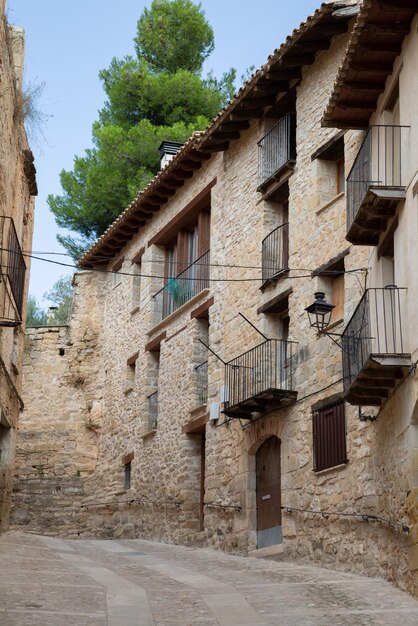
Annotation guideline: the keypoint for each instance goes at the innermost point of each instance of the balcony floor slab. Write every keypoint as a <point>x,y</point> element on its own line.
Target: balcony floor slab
<point>377,379</point>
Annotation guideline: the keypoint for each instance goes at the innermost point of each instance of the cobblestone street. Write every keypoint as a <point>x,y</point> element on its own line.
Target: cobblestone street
<point>51,582</point>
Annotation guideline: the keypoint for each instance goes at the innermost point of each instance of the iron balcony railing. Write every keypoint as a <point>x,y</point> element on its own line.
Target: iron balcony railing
<point>12,274</point>
<point>275,252</point>
<point>153,411</point>
<point>266,367</point>
<point>277,148</point>
<point>378,163</point>
<point>376,328</point>
<point>184,287</point>
<point>202,383</point>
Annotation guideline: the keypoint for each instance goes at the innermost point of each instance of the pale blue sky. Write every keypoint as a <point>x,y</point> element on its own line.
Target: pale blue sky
<point>69,41</point>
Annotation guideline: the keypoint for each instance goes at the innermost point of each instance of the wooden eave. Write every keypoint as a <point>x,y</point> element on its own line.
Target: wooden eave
<point>260,94</point>
<point>376,41</point>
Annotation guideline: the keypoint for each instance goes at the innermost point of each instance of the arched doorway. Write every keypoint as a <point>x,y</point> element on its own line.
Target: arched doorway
<point>268,488</point>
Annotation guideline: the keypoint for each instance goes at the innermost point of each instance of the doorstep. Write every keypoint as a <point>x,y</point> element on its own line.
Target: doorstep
<point>269,551</point>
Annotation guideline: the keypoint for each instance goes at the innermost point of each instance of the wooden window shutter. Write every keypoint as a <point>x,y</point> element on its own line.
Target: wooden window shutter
<point>329,437</point>
<point>203,232</point>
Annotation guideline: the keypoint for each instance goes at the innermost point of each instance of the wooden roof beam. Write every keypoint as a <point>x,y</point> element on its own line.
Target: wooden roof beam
<point>298,61</point>
<point>387,29</point>
<point>366,86</point>
<point>246,114</point>
<point>313,45</point>
<point>217,147</point>
<point>256,103</point>
<point>284,74</point>
<point>225,135</point>
<point>229,125</point>
<point>372,67</point>
<point>268,87</point>
<point>400,6</point>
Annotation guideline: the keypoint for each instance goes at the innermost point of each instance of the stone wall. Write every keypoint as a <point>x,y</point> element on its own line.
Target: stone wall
<point>17,185</point>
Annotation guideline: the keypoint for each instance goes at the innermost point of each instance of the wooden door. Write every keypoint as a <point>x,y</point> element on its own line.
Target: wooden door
<point>269,530</point>
<point>202,480</point>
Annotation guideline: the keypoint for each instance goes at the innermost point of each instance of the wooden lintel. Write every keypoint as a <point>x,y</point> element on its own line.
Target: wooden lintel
<point>155,344</point>
<point>196,426</point>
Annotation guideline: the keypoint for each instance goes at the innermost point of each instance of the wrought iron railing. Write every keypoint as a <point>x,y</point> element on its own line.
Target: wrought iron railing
<point>267,366</point>
<point>12,274</point>
<point>277,148</point>
<point>153,411</point>
<point>378,164</point>
<point>202,383</point>
<point>182,288</point>
<point>275,252</point>
<point>376,327</point>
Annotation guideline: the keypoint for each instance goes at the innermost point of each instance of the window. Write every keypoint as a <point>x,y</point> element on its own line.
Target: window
<point>136,280</point>
<point>130,372</point>
<point>330,168</point>
<point>331,281</point>
<point>127,477</point>
<point>116,277</point>
<point>329,437</point>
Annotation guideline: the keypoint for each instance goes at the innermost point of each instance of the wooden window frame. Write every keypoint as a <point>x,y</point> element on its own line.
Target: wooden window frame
<point>329,436</point>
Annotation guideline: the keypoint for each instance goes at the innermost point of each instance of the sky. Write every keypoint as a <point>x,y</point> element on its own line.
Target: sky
<point>69,41</point>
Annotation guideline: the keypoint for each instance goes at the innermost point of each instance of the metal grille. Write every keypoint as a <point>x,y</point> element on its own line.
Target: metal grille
<point>153,411</point>
<point>12,274</point>
<point>275,252</point>
<point>265,367</point>
<point>277,148</point>
<point>376,327</point>
<point>202,383</point>
<point>378,164</point>
<point>329,437</point>
<point>184,287</point>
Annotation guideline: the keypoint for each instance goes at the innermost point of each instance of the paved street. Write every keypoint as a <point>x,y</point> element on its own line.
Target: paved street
<point>51,582</point>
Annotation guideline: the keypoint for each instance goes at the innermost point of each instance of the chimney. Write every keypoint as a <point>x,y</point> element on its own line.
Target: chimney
<point>167,150</point>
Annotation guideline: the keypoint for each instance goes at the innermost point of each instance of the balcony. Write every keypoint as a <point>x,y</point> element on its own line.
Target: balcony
<point>275,253</point>
<point>375,184</point>
<point>373,347</point>
<point>202,383</point>
<point>277,152</point>
<point>153,411</point>
<point>260,380</point>
<point>183,287</point>
<point>12,274</point>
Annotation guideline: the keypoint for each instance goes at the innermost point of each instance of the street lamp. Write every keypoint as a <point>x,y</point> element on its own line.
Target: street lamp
<point>319,312</point>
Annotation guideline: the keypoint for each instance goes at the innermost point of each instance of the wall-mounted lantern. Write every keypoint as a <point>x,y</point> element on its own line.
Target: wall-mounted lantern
<point>319,312</point>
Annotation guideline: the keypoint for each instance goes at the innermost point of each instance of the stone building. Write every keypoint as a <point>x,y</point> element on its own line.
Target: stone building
<point>17,188</point>
<point>210,407</point>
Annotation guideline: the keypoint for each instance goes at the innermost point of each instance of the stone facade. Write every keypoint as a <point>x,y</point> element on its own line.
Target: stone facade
<point>178,475</point>
<point>17,186</point>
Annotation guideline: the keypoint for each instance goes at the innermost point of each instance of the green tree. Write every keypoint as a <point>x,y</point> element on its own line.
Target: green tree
<point>174,35</point>
<point>160,95</point>
<point>60,295</point>
<point>35,315</point>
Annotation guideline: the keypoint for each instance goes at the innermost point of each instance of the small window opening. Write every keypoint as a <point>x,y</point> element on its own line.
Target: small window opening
<point>127,478</point>
<point>61,351</point>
